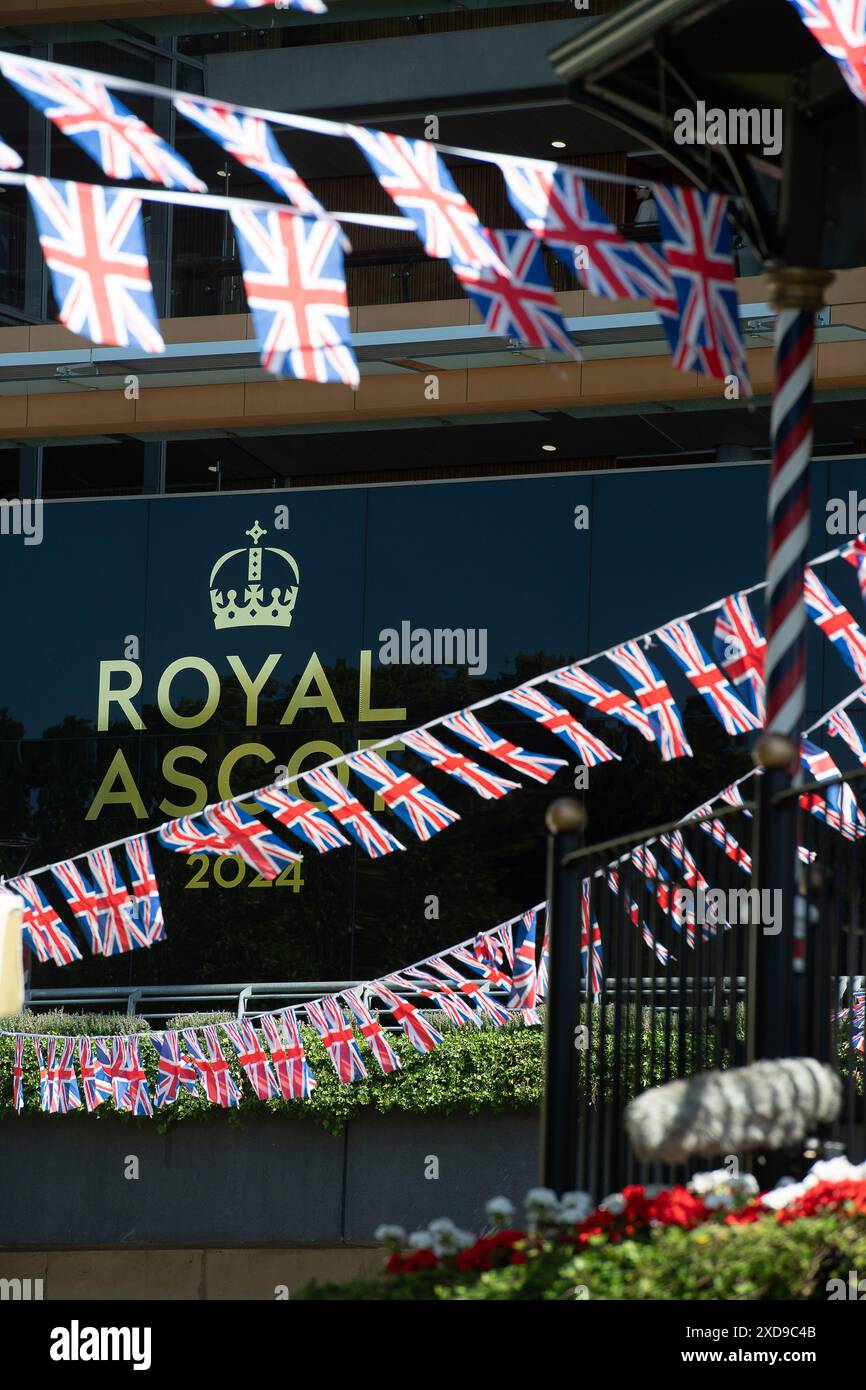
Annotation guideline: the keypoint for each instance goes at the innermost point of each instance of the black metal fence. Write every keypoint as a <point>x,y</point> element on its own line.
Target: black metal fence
<point>678,941</point>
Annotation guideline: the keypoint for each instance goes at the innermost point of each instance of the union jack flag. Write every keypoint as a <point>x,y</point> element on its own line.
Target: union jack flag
<point>522,304</point>
<point>834,620</point>
<point>684,859</point>
<point>654,698</point>
<point>734,797</point>
<point>252,142</point>
<point>557,206</point>
<point>82,107</point>
<point>295,1079</point>
<point>476,989</point>
<point>855,554</point>
<point>350,813</point>
<point>740,648</point>
<point>145,889</point>
<point>243,834</point>
<point>656,876</point>
<point>612,880</point>
<point>721,836</point>
<point>120,928</point>
<point>82,900</point>
<point>696,243</point>
<point>828,811</point>
<point>590,934</point>
<point>821,766</point>
<point>47,1074</point>
<point>403,794</point>
<point>18,1075</point>
<point>66,1082</point>
<point>62,1059</point>
<point>524,982</point>
<point>487,947</point>
<point>296,289</point>
<point>452,1004</point>
<point>303,818</point>
<point>661,951</point>
<point>604,698</point>
<point>93,243</point>
<point>422,1035</point>
<point>187,837</point>
<point>175,1069</point>
<point>559,721</point>
<point>213,1069</point>
<point>840,28</point>
<point>412,173</point>
<point>841,726</point>
<point>374,1033</point>
<point>330,1023</point>
<point>252,1057</point>
<point>535,765</point>
<point>44,931</point>
<point>707,679</point>
<point>130,1082</point>
<point>104,1058</point>
<point>96,1080</point>
<point>9,158</point>
<point>444,759</point>
<point>544,961</point>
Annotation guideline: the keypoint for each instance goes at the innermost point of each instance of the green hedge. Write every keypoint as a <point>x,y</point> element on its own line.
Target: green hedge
<point>473,1070</point>
<point>765,1260</point>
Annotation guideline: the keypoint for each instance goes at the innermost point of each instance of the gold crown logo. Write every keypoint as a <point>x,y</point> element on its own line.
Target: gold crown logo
<point>257,607</point>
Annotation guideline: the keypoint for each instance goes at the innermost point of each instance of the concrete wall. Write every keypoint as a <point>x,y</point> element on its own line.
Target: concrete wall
<point>269,1181</point>
<point>133,1275</point>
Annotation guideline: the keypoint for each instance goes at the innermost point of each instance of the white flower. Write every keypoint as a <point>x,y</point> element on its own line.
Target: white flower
<point>709,1182</point>
<point>541,1199</point>
<point>717,1201</point>
<point>783,1195</point>
<point>392,1236</point>
<point>442,1226</point>
<point>463,1239</point>
<point>576,1207</point>
<point>615,1204</point>
<point>420,1240</point>
<point>835,1170</point>
<point>499,1211</point>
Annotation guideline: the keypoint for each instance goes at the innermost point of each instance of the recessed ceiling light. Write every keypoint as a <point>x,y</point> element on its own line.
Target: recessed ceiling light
<point>558,144</point>
<point>549,448</point>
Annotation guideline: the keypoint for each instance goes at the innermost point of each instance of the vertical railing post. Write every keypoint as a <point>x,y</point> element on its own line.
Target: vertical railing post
<point>772,1027</point>
<point>566,822</point>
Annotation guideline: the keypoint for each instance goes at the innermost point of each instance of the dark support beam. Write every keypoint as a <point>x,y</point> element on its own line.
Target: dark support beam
<point>154,465</point>
<point>566,821</point>
<point>30,460</point>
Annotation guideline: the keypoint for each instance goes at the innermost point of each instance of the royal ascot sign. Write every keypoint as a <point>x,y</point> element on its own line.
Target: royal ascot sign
<point>253,588</point>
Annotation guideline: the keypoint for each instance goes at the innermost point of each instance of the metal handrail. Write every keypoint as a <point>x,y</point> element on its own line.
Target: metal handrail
<point>171,997</point>
<point>648,836</point>
<point>801,788</point>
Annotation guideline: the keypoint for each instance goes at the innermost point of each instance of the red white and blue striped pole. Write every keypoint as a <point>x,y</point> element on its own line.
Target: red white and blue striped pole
<point>797,294</point>
<point>774,1024</point>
